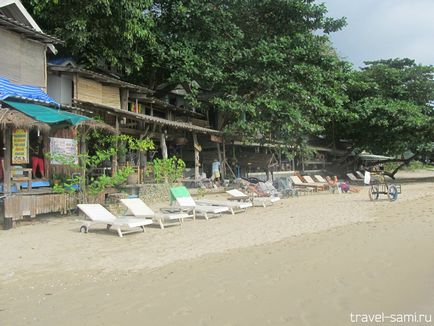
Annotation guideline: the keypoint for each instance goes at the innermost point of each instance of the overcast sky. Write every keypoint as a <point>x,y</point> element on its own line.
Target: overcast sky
<point>382,29</point>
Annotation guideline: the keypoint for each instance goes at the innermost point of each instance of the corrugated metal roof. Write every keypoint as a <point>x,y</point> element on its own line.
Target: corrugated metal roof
<point>31,33</point>
<point>100,77</point>
<point>150,119</point>
<point>28,92</point>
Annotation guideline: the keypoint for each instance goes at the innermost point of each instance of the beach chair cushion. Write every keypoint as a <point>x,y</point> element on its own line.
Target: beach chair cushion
<point>297,181</point>
<point>352,177</point>
<point>308,179</point>
<point>178,192</point>
<point>211,209</point>
<point>98,214</point>
<point>320,179</point>
<point>137,207</point>
<point>227,203</point>
<point>237,194</point>
<point>186,202</point>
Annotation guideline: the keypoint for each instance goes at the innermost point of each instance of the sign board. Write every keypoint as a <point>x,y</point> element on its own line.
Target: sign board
<point>20,146</point>
<point>216,139</point>
<point>64,147</point>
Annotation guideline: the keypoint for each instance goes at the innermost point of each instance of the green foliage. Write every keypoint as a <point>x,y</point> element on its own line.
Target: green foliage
<point>268,65</point>
<point>273,80</point>
<point>168,170</point>
<point>97,185</point>
<point>391,108</point>
<point>100,33</point>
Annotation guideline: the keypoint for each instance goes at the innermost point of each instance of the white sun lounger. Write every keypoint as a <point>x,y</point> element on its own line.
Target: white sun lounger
<point>310,181</point>
<point>97,214</point>
<point>256,201</point>
<point>298,183</point>
<point>206,210</point>
<point>139,209</point>
<point>319,178</point>
<point>237,195</point>
<point>352,177</point>
<point>234,206</point>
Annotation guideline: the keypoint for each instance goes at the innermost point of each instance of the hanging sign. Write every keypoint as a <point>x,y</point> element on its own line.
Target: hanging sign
<point>20,146</point>
<point>63,149</point>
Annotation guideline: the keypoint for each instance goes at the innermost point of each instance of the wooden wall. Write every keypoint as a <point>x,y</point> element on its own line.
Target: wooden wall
<point>92,91</point>
<point>22,61</point>
<point>88,90</point>
<point>111,96</point>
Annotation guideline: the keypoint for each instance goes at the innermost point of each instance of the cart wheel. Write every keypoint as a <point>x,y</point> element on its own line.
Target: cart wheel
<point>109,226</point>
<point>373,193</point>
<point>392,193</point>
<point>84,229</point>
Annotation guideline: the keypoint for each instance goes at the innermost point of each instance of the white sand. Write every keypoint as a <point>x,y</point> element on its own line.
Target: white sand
<point>291,264</point>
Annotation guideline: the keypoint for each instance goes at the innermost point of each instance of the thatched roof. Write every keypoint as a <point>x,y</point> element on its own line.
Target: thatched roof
<point>98,125</point>
<point>16,119</point>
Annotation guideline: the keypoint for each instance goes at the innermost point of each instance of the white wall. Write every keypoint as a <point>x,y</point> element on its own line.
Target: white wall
<point>60,88</point>
<point>22,61</point>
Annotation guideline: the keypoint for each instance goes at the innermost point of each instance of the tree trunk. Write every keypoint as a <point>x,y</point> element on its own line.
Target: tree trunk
<point>163,145</point>
<point>7,160</point>
<point>403,163</point>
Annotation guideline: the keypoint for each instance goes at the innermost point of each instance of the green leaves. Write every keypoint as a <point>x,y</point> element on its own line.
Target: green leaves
<point>267,65</point>
<point>168,169</point>
<point>99,33</point>
<point>391,107</point>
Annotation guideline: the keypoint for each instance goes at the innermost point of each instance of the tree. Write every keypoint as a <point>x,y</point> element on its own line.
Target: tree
<point>391,108</point>
<point>261,62</point>
<point>99,33</point>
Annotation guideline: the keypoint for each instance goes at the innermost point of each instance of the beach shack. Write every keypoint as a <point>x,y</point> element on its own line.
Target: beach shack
<point>31,123</point>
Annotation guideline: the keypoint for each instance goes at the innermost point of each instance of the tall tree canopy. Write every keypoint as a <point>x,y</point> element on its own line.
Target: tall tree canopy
<point>264,62</point>
<point>98,33</point>
<point>391,105</point>
<point>268,64</point>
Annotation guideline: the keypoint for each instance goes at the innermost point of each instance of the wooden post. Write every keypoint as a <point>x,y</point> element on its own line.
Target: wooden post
<point>219,153</point>
<point>124,98</point>
<point>140,160</point>
<point>196,157</point>
<point>83,151</point>
<point>7,132</point>
<point>115,156</point>
<point>163,145</point>
<point>225,162</point>
<point>280,159</point>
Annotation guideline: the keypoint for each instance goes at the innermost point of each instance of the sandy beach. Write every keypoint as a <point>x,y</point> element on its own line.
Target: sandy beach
<point>310,260</point>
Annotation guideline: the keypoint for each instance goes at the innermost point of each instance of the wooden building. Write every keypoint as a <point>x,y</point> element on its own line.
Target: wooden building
<point>28,114</point>
<point>133,110</point>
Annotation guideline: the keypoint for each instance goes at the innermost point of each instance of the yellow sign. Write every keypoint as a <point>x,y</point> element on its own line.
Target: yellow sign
<point>20,146</point>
